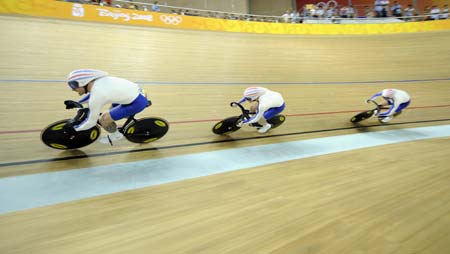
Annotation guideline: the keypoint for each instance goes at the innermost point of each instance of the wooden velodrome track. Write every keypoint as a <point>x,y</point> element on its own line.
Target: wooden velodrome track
<point>384,199</point>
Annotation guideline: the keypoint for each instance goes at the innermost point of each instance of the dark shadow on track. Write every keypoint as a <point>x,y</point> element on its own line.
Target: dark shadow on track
<point>362,128</point>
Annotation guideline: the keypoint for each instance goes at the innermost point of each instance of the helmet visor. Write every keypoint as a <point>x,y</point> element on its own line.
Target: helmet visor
<point>73,84</point>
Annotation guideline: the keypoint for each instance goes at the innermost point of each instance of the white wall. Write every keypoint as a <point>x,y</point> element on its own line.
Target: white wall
<point>270,7</point>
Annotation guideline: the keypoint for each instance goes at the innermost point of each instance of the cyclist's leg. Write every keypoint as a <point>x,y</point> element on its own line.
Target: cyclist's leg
<point>107,120</point>
<point>124,111</point>
<point>271,112</point>
<point>401,107</point>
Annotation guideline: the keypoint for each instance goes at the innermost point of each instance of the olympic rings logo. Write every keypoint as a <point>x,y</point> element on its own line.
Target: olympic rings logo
<point>171,20</point>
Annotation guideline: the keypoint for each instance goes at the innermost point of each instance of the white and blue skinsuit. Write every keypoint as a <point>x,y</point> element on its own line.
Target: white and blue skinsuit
<point>270,104</point>
<point>128,98</point>
<point>400,100</point>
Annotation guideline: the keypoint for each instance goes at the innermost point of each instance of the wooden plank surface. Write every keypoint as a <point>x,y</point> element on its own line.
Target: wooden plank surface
<point>387,199</point>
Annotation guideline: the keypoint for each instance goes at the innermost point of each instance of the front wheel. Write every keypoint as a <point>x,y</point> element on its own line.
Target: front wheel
<point>146,130</point>
<point>362,116</point>
<point>55,137</point>
<point>227,125</point>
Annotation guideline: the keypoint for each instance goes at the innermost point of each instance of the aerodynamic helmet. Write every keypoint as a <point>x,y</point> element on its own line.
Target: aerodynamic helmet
<point>82,77</point>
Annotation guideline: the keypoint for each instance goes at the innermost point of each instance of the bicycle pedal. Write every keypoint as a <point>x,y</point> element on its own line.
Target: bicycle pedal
<point>256,125</point>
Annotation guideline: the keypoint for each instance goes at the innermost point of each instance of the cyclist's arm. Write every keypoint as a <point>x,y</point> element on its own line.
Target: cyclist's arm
<point>85,99</point>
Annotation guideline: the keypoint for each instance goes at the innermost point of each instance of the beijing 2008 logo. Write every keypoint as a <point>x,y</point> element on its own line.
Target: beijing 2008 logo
<point>171,20</point>
<point>77,10</point>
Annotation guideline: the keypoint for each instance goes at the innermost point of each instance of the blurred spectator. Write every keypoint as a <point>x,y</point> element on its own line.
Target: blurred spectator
<point>319,13</point>
<point>343,12</point>
<point>155,7</point>
<point>409,12</point>
<point>396,9</point>
<point>381,8</point>
<point>368,13</point>
<point>350,12</point>
<point>295,17</point>
<point>444,12</point>
<point>426,12</point>
<point>132,6</point>
<point>286,17</point>
<point>306,12</point>
<point>330,12</point>
<point>434,13</point>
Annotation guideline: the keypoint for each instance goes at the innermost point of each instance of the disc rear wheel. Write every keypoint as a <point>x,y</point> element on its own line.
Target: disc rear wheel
<point>146,130</point>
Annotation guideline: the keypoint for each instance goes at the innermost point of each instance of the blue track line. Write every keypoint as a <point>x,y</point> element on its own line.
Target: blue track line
<point>244,83</point>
